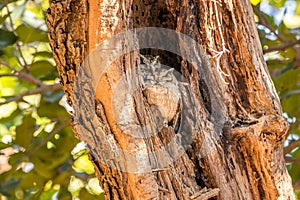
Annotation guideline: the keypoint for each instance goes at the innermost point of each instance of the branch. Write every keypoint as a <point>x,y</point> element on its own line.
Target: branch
<point>292,145</point>
<point>23,63</point>
<point>22,75</point>
<point>293,92</point>
<point>292,160</point>
<point>264,22</point>
<point>29,78</point>
<point>8,66</point>
<point>282,46</point>
<point>4,75</point>
<point>296,185</point>
<point>45,140</point>
<point>34,91</point>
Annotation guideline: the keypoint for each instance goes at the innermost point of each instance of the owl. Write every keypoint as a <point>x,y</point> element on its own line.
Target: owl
<point>161,90</point>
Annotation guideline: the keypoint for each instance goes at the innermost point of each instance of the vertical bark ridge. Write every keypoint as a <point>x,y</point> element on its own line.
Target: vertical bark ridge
<point>240,121</point>
<point>67,24</point>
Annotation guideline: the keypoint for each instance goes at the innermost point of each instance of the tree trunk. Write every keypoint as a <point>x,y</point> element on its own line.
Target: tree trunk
<point>220,133</point>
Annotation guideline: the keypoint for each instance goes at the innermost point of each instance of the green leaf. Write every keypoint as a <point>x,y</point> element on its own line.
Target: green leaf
<point>83,164</point>
<point>10,120</point>
<point>28,34</point>
<point>287,80</point>
<point>3,145</point>
<point>41,68</point>
<point>48,194</point>
<point>51,110</point>
<point>43,54</point>
<point>84,194</point>
<point>62,178</point>
<point>270,20</point>
<point>298,8</point>
<point>291,104</point>
<point>288,54</point>
<point>294,171</point>
<point>48,161</point>
<point>44,163</point>
<point>3,18</point>
<point>15,159</point>
<point>288,67</point>
<point>24,132</point>
<point>64,194</point>
<point>277,3</point>
<point>276,64</point>
<point>7,38</point>
<point>31,180</point>
<point>255,2</point>
<point>93,186</point>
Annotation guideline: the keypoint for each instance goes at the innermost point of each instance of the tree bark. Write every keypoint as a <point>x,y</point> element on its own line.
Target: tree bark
<point>238,131</point>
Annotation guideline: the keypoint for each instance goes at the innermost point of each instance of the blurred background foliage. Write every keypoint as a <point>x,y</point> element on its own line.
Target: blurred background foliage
<point>39,156</point>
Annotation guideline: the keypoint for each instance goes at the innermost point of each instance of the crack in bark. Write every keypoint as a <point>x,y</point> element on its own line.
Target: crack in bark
<point>229,166</point>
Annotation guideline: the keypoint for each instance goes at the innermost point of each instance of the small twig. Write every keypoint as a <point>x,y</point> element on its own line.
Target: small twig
<point>4,75</point>
<point>29,78</point>
<point>292,145</point>
<point>34,91</point>
<point>293,92</point>
<point>33,57</point>
<point>45,140</point>
<point>264,22</point>
<point>18,47</point>
<point>8,66</point>
<point>292,160</point>
<point>281,46</point>
<point>9,17</point>
<point>22,75</point>
<point>286,43</point>
<point>23,62</point>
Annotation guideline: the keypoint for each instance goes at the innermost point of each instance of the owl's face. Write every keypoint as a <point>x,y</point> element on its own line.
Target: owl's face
<point>149,59</point>
<point>153,73</point>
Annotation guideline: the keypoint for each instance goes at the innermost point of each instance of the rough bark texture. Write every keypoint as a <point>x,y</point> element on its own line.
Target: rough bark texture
<point>245,161</point>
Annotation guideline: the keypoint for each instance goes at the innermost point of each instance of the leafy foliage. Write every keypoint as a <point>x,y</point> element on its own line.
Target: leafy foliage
<point>39,156</point>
